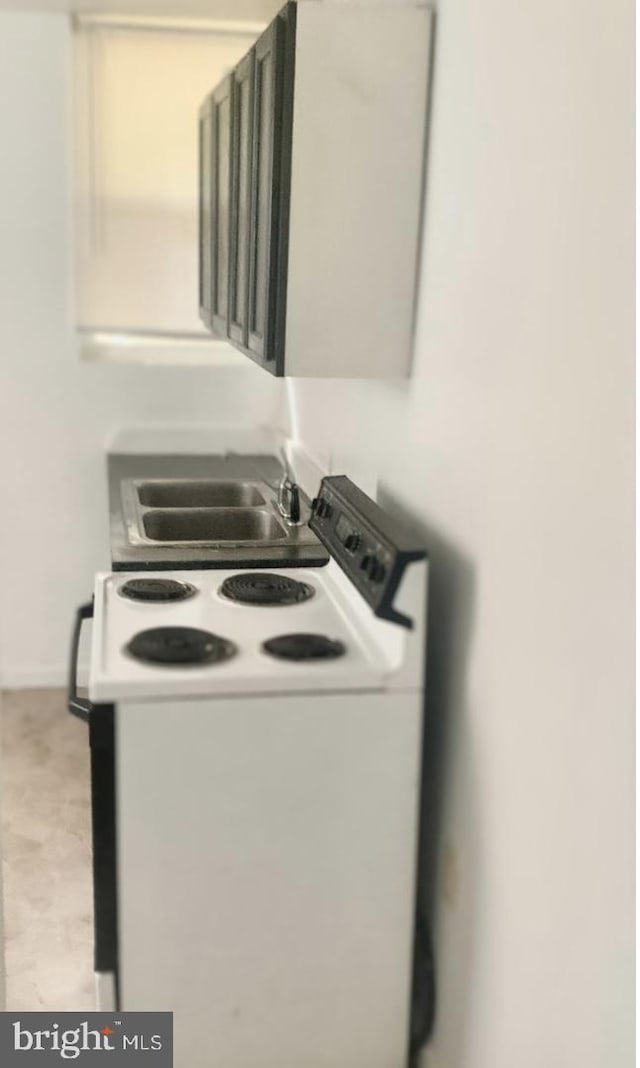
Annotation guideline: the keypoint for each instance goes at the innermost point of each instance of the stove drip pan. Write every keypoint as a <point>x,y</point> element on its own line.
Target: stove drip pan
<point>180,646</point>
<point>265,588</point>
<point>156,590</point>
<point>304,647</point>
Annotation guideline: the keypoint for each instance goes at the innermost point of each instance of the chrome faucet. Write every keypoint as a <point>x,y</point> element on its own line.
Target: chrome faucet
<point>289,501</point>
<point>288,493</point>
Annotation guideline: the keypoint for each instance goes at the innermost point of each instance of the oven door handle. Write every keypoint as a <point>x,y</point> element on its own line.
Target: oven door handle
<point>78,706</point>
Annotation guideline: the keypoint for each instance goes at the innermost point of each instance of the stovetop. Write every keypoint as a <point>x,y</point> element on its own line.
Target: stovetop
<point>356,624</point>
<point>318,643</point>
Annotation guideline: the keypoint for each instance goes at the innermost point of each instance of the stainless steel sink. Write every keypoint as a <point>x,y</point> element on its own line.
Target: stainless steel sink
<point>200,494</point>
<point>207,525</point>
<point>203,512</point>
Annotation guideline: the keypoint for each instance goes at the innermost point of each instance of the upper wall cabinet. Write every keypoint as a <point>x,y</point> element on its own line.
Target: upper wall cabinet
<point>311,187</point>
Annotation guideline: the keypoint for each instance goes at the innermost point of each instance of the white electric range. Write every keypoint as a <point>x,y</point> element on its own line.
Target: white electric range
<point>256,757</point>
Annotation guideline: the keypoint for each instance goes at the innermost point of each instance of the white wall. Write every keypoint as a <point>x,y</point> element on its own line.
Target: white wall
<point>512,445</point>
<point>56,413</point>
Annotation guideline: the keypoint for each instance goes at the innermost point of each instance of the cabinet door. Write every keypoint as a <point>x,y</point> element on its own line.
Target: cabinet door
<point>241,162</point>
<point>220,197</point>
<point>267,161</point>
<point>205,249</point>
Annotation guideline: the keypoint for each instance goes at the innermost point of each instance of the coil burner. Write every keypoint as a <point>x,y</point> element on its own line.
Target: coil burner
<point>265,588</point>
<point>304,647</point>
<point>180,645</point>
<point>156,590</point>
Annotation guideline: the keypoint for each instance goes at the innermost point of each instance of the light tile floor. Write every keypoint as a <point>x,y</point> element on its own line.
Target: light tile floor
<point>47,853</point>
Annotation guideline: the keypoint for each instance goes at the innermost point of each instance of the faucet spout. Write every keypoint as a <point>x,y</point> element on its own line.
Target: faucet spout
<point>289,501</point>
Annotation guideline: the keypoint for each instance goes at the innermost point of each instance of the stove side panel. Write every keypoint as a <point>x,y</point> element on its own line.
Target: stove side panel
<point>266,875</point>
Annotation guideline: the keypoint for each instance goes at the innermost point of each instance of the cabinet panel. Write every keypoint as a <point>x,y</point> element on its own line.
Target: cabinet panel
<point>267,149</point>
<point>206,162</point>
<point>324,225</point>
<point>241,166</point>
<point>221,187</point>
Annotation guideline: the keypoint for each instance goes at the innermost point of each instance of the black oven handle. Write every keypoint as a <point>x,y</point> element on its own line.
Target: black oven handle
<point>78,706</point>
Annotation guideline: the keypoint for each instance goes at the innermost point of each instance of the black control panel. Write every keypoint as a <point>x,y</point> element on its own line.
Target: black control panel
<point>371,547</point>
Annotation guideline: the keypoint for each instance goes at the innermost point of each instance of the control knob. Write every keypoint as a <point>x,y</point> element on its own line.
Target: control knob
<point>352,542</point>
<point>321,508</point>
<point>373,568</point>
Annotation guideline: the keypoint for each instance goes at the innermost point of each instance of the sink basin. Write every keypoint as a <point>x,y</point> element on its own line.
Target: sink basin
<point>212,525</point>
<point>206,511</point>
<point>210,493</point>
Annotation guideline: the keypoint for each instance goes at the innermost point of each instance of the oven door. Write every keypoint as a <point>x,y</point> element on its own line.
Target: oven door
<point>101,722</point>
